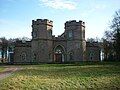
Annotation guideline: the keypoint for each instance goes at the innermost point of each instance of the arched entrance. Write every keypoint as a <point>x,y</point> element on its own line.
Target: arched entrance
<point>59,54</point>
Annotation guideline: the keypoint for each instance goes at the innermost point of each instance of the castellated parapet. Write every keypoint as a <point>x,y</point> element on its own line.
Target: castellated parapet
<point>42,22</point>
<point>74,23</point>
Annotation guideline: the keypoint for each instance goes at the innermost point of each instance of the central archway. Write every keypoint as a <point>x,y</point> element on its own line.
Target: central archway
<point>59,54</point>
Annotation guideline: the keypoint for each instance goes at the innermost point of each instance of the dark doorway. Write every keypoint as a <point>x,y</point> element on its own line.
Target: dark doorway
<point>11,57</point>
<point>58,57</point>
<point>59,54</point>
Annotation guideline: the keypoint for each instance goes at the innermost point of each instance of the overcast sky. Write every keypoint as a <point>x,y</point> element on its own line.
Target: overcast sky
<point>16,15</point>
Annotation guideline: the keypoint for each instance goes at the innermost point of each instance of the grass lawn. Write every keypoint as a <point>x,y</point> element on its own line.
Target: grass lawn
<point>65,76</point>
<point>1,69</point>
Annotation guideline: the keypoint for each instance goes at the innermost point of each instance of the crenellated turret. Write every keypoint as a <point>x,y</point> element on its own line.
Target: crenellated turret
<point>75,30</point>
<point>74,23</point>
<point>42,22</point>
<point>42,29</point>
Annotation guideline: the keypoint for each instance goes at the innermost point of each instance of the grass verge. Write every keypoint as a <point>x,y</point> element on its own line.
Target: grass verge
<point>105,75</point>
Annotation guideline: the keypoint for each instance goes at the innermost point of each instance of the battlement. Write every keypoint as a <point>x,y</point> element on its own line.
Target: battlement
<point>74,23</point>
<point>23,44</point>
<point>42,21</point>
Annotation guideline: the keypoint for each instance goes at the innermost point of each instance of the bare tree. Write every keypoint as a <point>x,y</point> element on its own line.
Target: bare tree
<point>93,39</point>
<point>116,31</point>
<point>4,45</point>
<point>111,42</point>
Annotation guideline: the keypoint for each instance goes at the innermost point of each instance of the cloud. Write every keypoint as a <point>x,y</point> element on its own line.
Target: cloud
<point>99,7</point>
<point>59,4</point>
<point>93,9</point>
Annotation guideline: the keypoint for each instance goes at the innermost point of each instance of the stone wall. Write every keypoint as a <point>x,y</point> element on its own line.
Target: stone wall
<point>92,51</point>
<point>22,53</point>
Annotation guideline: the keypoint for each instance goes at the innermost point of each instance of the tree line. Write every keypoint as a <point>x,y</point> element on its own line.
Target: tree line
<point>7,45</point>
<point>111,40</point>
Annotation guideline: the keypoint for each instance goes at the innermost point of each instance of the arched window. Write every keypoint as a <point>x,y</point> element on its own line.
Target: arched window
<point>71,56</point>
<point>34,56</point>
<point>91,55</point>
<point>59,49</point>
<point>34,34</point>
<point>23,56</point>
<point>70,34</point>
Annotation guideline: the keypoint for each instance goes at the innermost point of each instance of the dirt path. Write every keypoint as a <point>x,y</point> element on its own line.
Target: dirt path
<point>8,71</point>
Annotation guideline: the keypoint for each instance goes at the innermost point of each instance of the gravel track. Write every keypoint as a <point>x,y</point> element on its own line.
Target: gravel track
<point>8,71</point>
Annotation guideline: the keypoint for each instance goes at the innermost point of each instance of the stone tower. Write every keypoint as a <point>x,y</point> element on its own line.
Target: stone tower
<point>76,44</point>
<point>42,40</point>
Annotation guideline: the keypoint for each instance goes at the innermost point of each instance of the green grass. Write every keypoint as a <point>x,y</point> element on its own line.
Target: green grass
<point>65,76</point>
<point>2,69</point>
